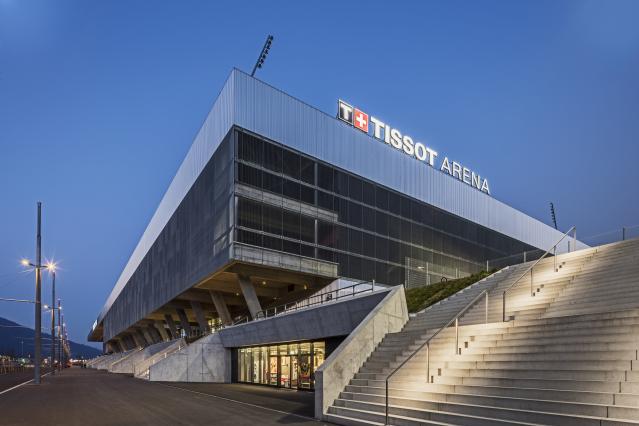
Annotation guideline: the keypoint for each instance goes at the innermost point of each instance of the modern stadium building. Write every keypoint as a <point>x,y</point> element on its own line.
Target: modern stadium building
<point>281,253</point>
<point>277,201</point>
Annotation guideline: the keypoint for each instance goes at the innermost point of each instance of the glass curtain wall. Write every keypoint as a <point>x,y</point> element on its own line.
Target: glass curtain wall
<point>379,234</point>
<point>290,365</point>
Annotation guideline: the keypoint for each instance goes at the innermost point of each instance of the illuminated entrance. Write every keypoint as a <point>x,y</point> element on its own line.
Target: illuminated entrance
<point>290,365</point>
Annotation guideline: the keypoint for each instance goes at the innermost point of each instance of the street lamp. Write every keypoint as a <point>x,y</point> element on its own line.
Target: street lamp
<point>38,266</point>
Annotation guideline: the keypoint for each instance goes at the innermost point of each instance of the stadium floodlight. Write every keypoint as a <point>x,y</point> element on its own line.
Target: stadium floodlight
<point>263,54</point>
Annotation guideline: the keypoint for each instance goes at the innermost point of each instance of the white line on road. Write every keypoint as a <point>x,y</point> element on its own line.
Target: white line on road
<point>240,402</point>
<point>21,384</point>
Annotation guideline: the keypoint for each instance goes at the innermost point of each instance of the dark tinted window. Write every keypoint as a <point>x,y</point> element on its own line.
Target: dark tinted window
<point>249,214</point>
<point>272,183</point>
<point>307,194</point>
<point>250,148</point>
<point>381,198</point>
<point>291,189</point>
<point>291,164</point>
<point>307,229</point>
<point>325,177</point>
<point>307,170</point>
<point>273,157</point>
<point>249,175</point>
<point>368,193</point>
<point>291,224</point>
<point>326,234</point>
<point>355,188</point>
<point>324,200</point>
<point>272,219</point>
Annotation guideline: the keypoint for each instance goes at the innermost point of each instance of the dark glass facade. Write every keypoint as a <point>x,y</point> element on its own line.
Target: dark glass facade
<point>378,233</point>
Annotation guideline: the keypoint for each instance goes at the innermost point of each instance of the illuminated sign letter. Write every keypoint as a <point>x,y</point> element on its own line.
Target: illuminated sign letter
<point>345,112</point>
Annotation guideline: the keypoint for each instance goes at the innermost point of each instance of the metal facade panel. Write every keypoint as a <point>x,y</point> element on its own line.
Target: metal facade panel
<point>265,110</point>
<point>272,113</point>
<point>215,127</point>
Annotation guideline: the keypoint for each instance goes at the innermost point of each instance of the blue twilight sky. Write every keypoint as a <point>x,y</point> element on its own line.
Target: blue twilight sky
<point>99,102</point>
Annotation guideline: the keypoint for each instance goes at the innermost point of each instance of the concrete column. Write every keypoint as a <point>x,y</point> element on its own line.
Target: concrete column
<point>250,296</point>
<point>111,347</point>
<point>163,332</point>
<point>145,337</point>
<point>154,333</point>
<point>169,322</point>
<point>122,344</point>
<point>140,341</point>
<point>131,341</point>
<point>221,308</point>
<point>184,321</point>
<point>199,314</point>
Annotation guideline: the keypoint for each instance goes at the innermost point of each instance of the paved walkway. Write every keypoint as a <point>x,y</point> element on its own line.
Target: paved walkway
<point>10,380</point>
<point>89,397</point>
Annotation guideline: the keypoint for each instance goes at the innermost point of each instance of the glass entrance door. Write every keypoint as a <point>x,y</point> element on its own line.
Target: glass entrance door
<point>272,371</point>
<point>294,372</point>
<point>285,371</point>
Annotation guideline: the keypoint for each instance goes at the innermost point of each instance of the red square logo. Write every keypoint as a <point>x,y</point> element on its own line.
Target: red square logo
<point>360,120</point>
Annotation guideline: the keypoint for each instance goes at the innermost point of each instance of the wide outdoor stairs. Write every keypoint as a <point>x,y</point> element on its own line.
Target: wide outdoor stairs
<point>566,356</point>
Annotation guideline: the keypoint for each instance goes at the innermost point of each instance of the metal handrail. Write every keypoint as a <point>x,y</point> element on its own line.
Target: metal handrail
<point>427,342</point>
<point>554,248</point>
<point>293,306</point>
<point>306,302</point>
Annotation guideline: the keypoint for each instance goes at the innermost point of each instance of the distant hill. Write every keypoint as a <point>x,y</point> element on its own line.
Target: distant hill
<point>17,340</point>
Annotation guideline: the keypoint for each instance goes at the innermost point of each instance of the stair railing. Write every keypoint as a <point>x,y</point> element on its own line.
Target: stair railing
<point>455,320</point>
<point>553,248</point>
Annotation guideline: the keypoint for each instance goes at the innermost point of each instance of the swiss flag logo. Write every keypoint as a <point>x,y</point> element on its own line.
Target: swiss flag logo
<point>360,120</point>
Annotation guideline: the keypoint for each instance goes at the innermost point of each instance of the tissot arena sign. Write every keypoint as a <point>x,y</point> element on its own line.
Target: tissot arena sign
<point>393,137</point>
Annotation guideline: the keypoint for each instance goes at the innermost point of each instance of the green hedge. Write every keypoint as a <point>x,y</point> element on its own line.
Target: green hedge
<point>422,297</point>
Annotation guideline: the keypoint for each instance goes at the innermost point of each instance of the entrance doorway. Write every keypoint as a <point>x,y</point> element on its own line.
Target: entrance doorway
<point>290,365</point>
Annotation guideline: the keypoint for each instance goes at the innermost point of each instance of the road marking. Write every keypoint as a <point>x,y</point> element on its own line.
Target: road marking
<point>21,384</point>
<point>240,402</point>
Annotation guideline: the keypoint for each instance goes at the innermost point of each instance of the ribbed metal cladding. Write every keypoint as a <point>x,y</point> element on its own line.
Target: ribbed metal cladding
<point>274,114</point>
<point>258,107</point>
<point>215,127</point>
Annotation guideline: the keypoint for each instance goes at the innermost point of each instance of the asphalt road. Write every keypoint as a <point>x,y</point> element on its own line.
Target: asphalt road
<point>89,397</point>
<point>12,379</point>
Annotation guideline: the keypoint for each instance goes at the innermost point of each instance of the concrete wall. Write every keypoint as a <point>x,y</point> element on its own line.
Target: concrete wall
<point>205,360</point>
<point>127,365</point>
<point>389,316</point>
<point>332,319</point>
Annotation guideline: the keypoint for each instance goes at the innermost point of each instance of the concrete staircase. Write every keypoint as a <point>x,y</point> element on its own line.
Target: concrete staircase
<point>567,356</point>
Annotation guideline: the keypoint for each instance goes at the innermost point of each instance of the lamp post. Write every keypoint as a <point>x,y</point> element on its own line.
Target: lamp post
<point>52,269</point>
<point>38,296</point>
<point>59,336</point>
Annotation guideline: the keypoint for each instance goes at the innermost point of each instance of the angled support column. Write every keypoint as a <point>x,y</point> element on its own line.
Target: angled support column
<point>184,321</point>
<point>122,343</point>
<point>119,347</point>
<point>139,341</point>
<point>171,324</point>
<point>201,319</point>
<point>154,333</point>
<point>131,341</point>
<point>221,308</point>
<point>250,296</point>
<point>143,342</point>
<point>159,325</point>
<point>148,336</point>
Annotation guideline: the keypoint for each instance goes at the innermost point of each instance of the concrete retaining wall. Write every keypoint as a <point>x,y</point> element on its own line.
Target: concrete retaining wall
<point>205,360</point>
<point>335,318</point>
<point>389,316</point>
<point>127,365</point>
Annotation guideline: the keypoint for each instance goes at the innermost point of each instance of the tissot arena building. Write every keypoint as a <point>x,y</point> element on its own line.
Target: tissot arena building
<point>284,228</point>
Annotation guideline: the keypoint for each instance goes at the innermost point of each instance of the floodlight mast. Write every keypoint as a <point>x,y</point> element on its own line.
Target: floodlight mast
<point>263,54</point>
<point>552,214</point>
